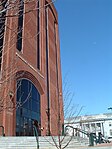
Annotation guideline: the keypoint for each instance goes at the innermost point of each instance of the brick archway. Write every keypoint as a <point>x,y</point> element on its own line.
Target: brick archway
<point>25,74</point>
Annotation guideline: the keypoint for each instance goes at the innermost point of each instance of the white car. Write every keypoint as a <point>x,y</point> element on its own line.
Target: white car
<point>110,139</point>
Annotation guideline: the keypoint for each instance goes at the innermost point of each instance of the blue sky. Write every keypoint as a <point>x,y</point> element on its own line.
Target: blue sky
<point>85,28</point>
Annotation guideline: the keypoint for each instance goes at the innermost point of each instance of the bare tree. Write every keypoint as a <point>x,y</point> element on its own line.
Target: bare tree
<point>70,110</point>
<point>12,9</point>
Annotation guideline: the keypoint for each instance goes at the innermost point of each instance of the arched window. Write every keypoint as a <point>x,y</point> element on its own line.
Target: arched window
<point>28,107</point>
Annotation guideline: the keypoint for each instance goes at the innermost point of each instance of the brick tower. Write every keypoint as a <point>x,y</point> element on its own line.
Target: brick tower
<point>30,71</point>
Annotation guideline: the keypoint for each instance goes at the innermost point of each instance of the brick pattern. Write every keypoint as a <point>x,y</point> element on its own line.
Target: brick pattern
<point>16,65</point>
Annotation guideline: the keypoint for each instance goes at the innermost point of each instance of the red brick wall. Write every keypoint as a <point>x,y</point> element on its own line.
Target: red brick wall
<point>24,65</point>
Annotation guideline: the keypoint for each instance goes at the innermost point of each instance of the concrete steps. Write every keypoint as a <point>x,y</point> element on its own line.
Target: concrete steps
<point>44,142</point>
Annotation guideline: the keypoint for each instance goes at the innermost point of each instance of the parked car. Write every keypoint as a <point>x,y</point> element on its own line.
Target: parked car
<point>110,139</point>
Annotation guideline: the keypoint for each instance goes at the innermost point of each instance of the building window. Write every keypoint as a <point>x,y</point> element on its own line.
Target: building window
<point>93,125</point>
<point>20,25</point>
<point>87,125</point>
<point>98,124</point>
<point>110,132</point>
<point>110,124</point>
<point>2,26</point>
<point>28,107</point>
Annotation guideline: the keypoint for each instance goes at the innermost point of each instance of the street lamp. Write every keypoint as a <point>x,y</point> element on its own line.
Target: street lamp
<point>110,108</point>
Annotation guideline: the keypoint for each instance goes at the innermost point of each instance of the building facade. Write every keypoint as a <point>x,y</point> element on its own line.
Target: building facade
<point>100,123</point>
<point>30,69</point>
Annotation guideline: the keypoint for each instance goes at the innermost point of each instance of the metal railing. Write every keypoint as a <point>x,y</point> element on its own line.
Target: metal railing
<point>93,138</point>
<point>36,135</point>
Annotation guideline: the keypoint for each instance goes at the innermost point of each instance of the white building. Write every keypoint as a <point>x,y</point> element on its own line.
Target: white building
<point>101,123</point>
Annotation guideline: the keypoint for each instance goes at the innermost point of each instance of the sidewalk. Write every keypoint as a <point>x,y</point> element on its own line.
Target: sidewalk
<point>100,146</point>
<point>104,144</point>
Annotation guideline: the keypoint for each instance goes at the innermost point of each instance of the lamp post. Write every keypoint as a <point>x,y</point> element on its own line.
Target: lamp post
<point>110,108</point>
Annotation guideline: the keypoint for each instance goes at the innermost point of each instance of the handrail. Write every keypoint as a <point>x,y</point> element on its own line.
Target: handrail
<point>77,129</point>
<point>36,135</point>
<point>92,137</point>
<point>3,134</point>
